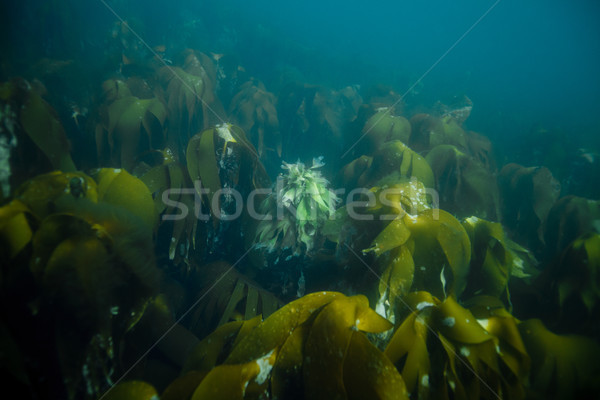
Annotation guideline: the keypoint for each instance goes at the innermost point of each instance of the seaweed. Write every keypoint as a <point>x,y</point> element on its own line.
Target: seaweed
<point>444,351</point>
<point>397,158</point>
<point>527,196</point>
<point>130,125</point>
<point>253,108</point>
<point>464,185</point>
<point>315,344</point>
<point>229,296</point>
<point>383,127</point>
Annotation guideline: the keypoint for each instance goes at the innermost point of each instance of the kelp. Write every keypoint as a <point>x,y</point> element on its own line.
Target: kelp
<point>131,390</point>
<point>577,274</point>
<point>350,175</point>
<point>220,158</point>
<point>465,187</point>
<point>15,229</point>
<point>130,125</point>
<point>41,193</point>
<point>416,247</point>
<point>316,115</point>
<point>314,345</point>
<point>570,218</point>
<point>429,131</point>
<point>562,366</point>
<point>228,295</point>
<point>384,127</point>
<point>189,91</point>
<point>185,94</point>
<point>38,121</point>
<point>422,245</point>
<point>527,195</point>
<point>253,108</point>
<point>168,182</point>
<point>443,351</point>
<point>492,260</point>
<point>481,149</point>
<point>394,159</point>
<point>83,246</point>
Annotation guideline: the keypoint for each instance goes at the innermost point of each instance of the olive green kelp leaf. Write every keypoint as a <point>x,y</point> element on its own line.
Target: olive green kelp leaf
<point>39,121</point>
<point>202,161</point>
<point>131,390</point>
<point>429,131</point>
<point>491,259</point>
<point>527,195</point>
<point>40,193</point>
<point>191,100</point>
<point>397,158</point>
<point>185,94</point>
<point>352,172</point>
<point>15,229</point>
<point>132,126</point>
<point>312,345</point>
<point>384,127</point>
<point>43,127</point>
<point>333,368</point>
<point>563,366</point>
<point>213,349</point>
<point>229,296</point>
<point>444,352</point>
<point>119,188</point>
<point>465,187</point>
<point>437,229</point>
<point>436,240</point>
<point>570,217</point>
<point>254,109</point>
<point>577,274</point>
<point>167,182</point>
<point>209,155</point>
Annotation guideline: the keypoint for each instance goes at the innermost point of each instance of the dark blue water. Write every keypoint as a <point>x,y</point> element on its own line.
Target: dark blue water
<point>522,64</point>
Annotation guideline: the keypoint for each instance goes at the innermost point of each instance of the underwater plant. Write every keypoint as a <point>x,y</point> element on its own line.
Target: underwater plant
<point>129,127</point>
<point>465,187</point>
<point>429,131</point>
<point>166,176</point>
<point>415,246</point>
<point>253,108</point>
<point>316,115</point>
<point>295,211</point>
<point>314,347</point>
<point>190,96</point>
<point>575,281</point>
<point>384,127</point>
<point>230,296</point>
<point>527,195</point>
<point>444,351</point>
<point>86,259</point>
<point>426,250</point>
<point>570,218</point>
<point>32,138</point>
<point>492,260</point>
<point>394,160</point>
<point>562,366</point>
<point>222,158</point>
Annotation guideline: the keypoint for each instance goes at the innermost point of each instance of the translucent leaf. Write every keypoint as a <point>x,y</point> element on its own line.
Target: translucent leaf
<point>275,329</point>
<point>395,234</point>
<point>368,374</point>
<point>131,390</point>
<point>43,127</point>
